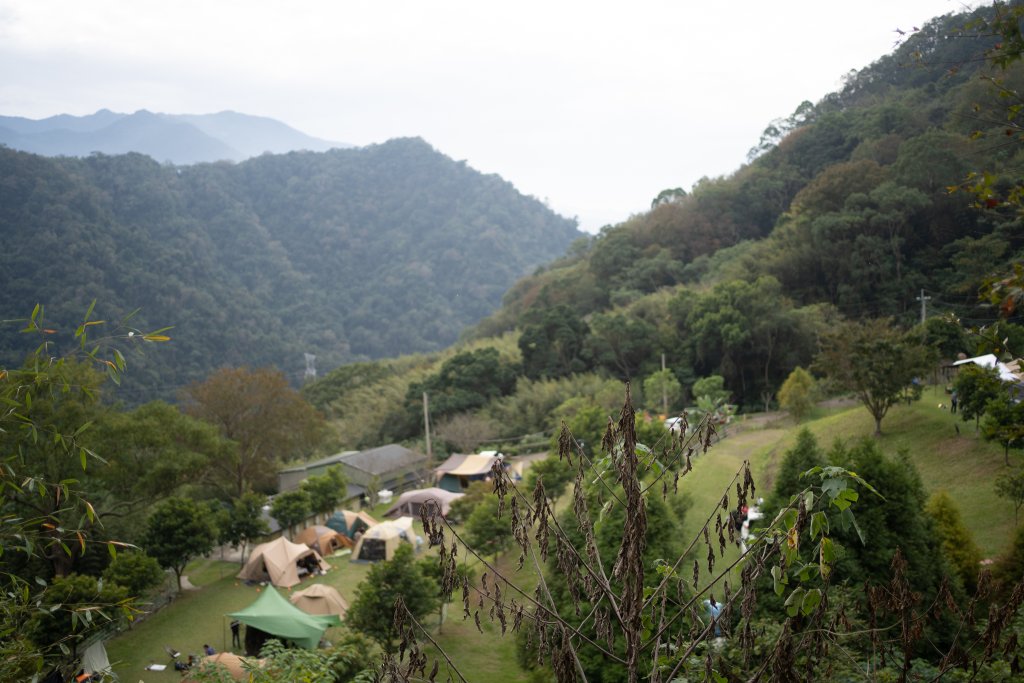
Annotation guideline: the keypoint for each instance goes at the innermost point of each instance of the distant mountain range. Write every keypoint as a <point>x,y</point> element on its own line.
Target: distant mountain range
<point>177,138</point>
<point>349,254</point>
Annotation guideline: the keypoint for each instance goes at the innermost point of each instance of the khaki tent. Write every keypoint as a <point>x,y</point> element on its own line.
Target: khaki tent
<point>320,599</point>
<point>281,562</point>
<point>228,661</point>
<point>322,539</point>
<point>458,471</point>
<point>350,523</point>
<point>410,502</point>
<point>380,542</point>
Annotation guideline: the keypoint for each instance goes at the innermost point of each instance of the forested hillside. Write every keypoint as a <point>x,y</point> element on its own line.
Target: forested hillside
<point>348,254</point>
<point>850,207</point>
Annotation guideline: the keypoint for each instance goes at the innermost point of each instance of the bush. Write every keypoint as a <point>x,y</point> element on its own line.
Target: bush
<point>135,571</point>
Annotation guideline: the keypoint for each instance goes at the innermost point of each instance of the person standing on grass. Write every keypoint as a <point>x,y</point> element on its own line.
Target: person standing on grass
<point>236,640</point>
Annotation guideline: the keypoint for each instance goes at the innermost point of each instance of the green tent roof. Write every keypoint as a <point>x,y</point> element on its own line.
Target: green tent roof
<point>274,614</point>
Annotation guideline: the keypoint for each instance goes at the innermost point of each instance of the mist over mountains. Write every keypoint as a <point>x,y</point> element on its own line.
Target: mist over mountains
<point>174,138</point>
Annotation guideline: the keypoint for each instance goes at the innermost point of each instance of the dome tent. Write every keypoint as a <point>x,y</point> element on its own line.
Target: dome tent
<point>320,599</point>
<point>350,523</point>
<point>380,542</point>
<point>410,502</point>
<point>230,662</point>
<point>278,562</point>
<point>322,539</point>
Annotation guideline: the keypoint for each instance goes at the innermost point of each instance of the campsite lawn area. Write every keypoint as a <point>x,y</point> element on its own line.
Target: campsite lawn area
<point>196,617</point>
<point>962,464</point>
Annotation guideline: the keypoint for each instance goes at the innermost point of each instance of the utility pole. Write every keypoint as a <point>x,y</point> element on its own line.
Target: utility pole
<point>310,375</point>
<point>426,425</point>
<point>923,299</point>
<point>664,389</point>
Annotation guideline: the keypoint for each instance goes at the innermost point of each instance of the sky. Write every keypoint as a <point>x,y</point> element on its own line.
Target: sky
<point>592,107</point>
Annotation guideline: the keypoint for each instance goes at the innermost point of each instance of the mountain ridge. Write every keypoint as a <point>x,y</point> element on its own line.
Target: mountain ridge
<point>175,138</point>
<point>347,254</point>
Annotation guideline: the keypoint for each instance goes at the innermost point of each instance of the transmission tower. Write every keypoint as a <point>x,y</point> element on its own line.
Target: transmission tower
<point>310,375</point>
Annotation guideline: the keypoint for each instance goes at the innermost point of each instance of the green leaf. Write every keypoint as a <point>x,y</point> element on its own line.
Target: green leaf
<point>810,602</point>
<point>845,498</point>
<point>826,556</point>
<point>819,524</point>
<point>860,534</point>
<point>794,601</point>
<point>779,580</point>
<point>832,486</point>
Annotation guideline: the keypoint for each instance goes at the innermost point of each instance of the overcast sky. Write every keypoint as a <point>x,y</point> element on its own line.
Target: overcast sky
<point>592,106</point>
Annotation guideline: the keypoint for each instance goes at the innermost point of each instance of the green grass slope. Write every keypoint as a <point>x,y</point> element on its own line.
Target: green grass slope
<point>962,464</point>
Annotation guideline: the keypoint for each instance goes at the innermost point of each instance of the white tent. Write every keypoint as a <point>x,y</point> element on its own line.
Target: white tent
<point>94,659</point>
<point>381,541</point>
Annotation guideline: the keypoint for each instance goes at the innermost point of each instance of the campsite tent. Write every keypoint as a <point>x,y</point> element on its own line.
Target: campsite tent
<point>272,614</point>
<point>322,539</point>
<point>229,661</point>
<point>95,661</point>
<point>320,599</point>
<point>381,541</point>
<point>278,562</point>
<point>456,473</point>
<point>410,502</point>
<point>350,523</point>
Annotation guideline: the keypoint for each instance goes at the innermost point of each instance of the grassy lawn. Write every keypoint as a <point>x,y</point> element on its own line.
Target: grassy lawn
<point>486,656</point>
<point>196,617</point>
<point>961,463</point>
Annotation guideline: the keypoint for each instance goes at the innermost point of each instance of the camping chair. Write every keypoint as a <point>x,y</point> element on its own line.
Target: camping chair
<point>171,652</point>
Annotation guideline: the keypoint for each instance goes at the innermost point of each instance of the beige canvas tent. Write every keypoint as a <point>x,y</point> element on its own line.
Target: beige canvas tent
<point>410,502</point>
<point>320,599</point>
<point>459,471</point>
<point>322,539</point>
<point>227,661</point>
<point>380,542</point>
<point>281,562</point>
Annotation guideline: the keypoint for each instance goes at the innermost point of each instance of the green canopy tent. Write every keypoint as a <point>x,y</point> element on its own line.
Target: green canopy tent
<point>273,614</point>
